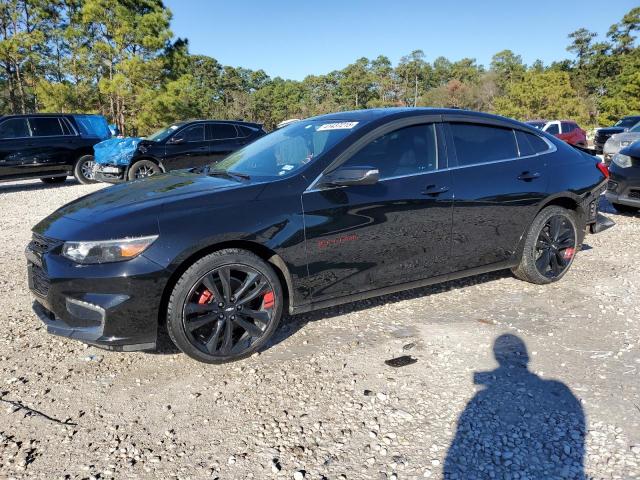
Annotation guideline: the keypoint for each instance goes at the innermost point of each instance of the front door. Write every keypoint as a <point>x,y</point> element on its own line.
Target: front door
<point>17,154</point>
<point>187,148</point>
<point>365,237</point>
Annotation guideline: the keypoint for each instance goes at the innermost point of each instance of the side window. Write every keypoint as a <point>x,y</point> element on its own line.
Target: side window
<point>245,131</point>
<point>66,127</point>
<point>45,126</point>
<point>406,151</point>
<point>567,127</point>
<point>194,134</point>
<point>553,129</point>
<point>482,143</point>
<point>14,128</point>
<point>524,146</point>
<point>537,143</point>
<point>221,131</point>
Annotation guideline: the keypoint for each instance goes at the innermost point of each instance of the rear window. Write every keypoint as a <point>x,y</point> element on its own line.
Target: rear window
<point>14,128</point>
<point>246,131</point>
<point>482,143</point>
<point>45,126</point>
<point>93,126</point>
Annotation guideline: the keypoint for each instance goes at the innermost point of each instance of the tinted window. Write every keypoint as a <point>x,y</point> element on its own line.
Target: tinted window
<point>66,128</point>
<point>14,128</point>
<point>524,146</point>
<point>45,126</point>
<point>193,134</point>
<point>482,143</point>
<point>405,151</point>
<point>245,131</point>
<point>553,129</point>
<point>219,131</point>
<point>537,143</point>
<point>567,127</point>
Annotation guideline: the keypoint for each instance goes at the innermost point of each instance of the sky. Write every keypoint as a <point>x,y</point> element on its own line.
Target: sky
<point>293,39</point>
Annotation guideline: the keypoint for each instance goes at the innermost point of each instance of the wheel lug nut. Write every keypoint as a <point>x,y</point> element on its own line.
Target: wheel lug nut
<point>221,316</point>
<point>233,317</point>
<point>239,307</point>
<point>232,299</point>
<point>220,304</point>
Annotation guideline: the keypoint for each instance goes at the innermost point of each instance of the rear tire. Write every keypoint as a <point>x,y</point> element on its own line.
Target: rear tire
<point>553,240</point>
<point>53,180</point>
<point>143,169</point>
<point>83,170</point>
<point>225,306</point>
<point>625,208</point>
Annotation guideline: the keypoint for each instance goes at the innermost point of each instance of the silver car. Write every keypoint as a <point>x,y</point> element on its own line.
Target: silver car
<point>620,140</point>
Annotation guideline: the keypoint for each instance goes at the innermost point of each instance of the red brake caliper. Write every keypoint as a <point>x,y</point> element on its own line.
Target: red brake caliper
<point>269,300</point>
<point>568,253</point>
<point>205,297</point>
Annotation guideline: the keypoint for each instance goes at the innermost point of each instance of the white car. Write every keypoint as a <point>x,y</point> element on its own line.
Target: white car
<point>618,141</point>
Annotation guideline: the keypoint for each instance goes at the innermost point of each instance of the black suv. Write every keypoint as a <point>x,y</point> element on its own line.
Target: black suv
<point>50,146</point>
<point>188,144</point>
<point>622,125</point>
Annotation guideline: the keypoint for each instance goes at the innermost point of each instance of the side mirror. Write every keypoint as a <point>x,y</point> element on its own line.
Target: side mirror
<point>348,176</point>
<point>176,140</point>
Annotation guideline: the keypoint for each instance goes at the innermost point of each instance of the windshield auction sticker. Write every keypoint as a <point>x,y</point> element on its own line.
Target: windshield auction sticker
<point>337,126</point>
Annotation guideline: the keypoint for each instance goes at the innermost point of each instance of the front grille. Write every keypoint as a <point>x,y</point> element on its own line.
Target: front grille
<point>41,245</point>
<point>40,281</point>
<point>634,194</point>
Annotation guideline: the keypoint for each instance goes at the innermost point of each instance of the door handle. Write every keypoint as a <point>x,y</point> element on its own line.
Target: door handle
<point>528,176</point>
<point>434,191</point>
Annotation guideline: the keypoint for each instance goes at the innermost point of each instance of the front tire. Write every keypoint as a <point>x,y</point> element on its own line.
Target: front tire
<point>50,180</point>
<point>83,170</point>
<point>550,247</point>
<point>625,208</point>
<point>143,169</point>
<point>225,306</point>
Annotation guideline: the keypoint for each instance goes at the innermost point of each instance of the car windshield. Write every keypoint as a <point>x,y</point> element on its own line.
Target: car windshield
<point>627,122</point>
<point>284,151</point>
<point>636,128</point>
<point>161,134</point>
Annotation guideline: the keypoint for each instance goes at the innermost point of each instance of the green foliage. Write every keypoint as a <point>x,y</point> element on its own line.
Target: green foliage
<point>120,58</point>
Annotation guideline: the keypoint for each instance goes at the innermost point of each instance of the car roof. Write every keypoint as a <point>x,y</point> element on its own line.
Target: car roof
<point>371,114</point>
<point>22,115</point>
<point>215,120</point>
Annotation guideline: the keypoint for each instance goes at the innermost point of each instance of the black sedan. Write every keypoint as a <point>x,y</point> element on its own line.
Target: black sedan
<point>324,211</point>
<point>624,185</point>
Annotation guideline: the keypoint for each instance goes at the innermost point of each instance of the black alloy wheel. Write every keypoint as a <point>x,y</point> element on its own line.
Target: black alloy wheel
<point>550,245</point>
<point>143,169</point>
<point>556,247</point>
<point>228,310</point>
<point>225,306</point>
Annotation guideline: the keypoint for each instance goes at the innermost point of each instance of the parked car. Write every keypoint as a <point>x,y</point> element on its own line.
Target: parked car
<point>622,125</point>
<point>50,146</point>
<point>566,130</point>
<point>618,141</point>
<point>324,211</point>
<point>623,189</point>
<point>181,145</point>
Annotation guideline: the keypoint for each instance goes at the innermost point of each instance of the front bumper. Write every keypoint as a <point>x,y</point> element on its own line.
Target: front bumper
<point>114,306</point>
<point>624,186</point>
<point>110,173</point>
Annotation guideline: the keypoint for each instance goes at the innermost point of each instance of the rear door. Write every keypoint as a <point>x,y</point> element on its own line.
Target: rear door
<point>16,148</point>
<point>187,148</point>
<point>398,230</point>
<point>499,179</point>
<point>53,143</point>
<point>223,139</point>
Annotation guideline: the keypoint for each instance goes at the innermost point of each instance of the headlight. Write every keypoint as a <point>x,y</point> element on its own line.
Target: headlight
<point>621,160</point>
<point>625,143</point>
<point>106,251</point>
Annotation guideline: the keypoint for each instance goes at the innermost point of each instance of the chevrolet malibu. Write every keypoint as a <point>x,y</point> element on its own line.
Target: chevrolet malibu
<point>324,211</point>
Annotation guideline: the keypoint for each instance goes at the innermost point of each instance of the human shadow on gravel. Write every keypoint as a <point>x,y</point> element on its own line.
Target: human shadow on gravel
<point>519,425</point>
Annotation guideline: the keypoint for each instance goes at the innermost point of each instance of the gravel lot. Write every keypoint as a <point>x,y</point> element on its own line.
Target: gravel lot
<point>320,401</point>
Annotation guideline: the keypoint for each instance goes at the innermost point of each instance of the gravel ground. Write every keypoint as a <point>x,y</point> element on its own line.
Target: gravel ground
<point>320,402</point>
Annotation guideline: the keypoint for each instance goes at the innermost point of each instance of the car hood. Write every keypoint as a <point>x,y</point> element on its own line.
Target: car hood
<point>625,137</point>
<point>141,200</point>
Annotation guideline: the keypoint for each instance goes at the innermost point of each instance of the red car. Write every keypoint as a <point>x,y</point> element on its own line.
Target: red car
<point>566,130</point>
